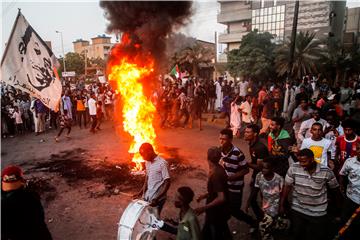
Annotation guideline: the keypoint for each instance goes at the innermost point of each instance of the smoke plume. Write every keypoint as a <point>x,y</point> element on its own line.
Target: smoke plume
<point>148,21</point>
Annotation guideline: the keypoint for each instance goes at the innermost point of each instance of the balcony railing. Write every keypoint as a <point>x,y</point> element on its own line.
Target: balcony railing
<point>234,16</point>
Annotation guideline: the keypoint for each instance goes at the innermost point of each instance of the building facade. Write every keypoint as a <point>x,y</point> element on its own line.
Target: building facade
<point>352,27</point>
<point>99,48</point>
<point>236,15</point>
<point>325,18</point>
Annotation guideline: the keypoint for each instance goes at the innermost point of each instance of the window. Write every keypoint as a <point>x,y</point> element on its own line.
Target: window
<point>270,20</point>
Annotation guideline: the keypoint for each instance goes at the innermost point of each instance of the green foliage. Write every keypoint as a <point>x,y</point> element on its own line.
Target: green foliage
<point>191,57</point>
<point>74,62</point>
<point>98,62</point>
<point>254,58</point>
<point>307,53</point>
<point>338,61</point>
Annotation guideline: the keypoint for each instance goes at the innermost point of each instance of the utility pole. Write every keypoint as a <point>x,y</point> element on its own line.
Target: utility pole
<point>62,46</point>
<point>293,37</point>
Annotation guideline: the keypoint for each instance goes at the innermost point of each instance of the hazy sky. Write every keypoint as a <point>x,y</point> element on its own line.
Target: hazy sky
<point>84,19</point>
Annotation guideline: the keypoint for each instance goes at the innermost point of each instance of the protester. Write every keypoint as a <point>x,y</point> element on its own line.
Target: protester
<point>216,211</point>
<point>322,148</point>
<point>301,114</point>
<point>308,181</point>
<point>258,152</point>
<point>270,185</point>
<point>188,227</point>
<point>304,131</point>
<point>99,114</point>
<point>22,215</point>
<point>92,112</point>
<point>351,170</point>
<point>246,112</point>
<point>278,143</point>
<point>235,165</point>
<point>157,180</point>
<point>67,103</point>
<point>235,117</point>
<point>346,144</point>
<point>65,123</point>
<point>40,114</point>
<point>18,121</point>
<point>80,109</point>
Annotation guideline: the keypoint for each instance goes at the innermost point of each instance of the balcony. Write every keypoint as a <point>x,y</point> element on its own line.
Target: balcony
<point>234,16</point>
<point>231,37</point>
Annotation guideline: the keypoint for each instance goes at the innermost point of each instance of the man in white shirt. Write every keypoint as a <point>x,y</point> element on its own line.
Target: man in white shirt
<point>243,86</point>
<point>322,148</point>
<point>157,180</point>
<point>304,131</point>
<point>246,110</point>
<point>92,111</point>
<point>351,171</point>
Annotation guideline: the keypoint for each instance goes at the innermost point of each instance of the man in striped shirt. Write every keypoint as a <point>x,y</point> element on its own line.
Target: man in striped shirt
<point>309,181</point>
<point>235,165</point>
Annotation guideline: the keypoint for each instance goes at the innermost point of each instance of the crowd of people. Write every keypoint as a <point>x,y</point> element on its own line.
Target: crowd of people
<point>305,160</point>
<point>79,105</point>
<point>303,141</point>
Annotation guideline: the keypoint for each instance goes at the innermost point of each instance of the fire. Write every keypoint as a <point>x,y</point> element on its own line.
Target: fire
<point>128,68</point>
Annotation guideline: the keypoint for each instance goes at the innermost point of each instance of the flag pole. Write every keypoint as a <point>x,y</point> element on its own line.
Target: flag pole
<point>11,34</point>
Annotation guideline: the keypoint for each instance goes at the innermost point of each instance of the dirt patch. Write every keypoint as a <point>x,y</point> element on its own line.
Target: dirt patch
<point>101,178</point>
<point>43,187</point>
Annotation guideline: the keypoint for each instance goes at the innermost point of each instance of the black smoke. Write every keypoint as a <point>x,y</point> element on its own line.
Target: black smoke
<point>149,21</point>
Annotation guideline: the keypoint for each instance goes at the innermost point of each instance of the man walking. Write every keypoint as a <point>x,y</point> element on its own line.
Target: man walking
<point>258,152</point>
<point>308,181</point>
<point>235,165</point>
<point>216,210</point>
<point>157,180</point>
<point>92,112</point>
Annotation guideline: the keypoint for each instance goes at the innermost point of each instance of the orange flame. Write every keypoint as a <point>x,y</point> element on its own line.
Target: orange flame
<point>127,70</point>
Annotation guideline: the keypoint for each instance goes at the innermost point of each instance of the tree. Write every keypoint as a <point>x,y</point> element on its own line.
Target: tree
<point>190,58</point>
<point>307,53</point>
<point>254,58</point>
<point>74,62</point>
<point>99,62</point>
<point>339,61</point>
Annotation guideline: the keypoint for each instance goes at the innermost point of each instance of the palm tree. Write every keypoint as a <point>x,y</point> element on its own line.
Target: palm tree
<point>339,61</point>
<point>308,52</point>
<point>194,56</point>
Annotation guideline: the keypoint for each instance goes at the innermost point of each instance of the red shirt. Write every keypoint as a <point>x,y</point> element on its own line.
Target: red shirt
<point>346,148</point>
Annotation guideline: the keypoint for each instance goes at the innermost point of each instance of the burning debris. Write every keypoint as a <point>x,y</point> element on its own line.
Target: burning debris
<point>132,64</point>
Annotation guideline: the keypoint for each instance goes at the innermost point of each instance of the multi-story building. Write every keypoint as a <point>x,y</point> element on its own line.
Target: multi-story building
<point>352,27</point>
<point>100,47</point>
<point>236,15</point>
<point>325,18</point>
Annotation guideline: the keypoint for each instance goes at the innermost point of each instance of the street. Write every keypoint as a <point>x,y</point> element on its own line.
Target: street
<point>85,184</point>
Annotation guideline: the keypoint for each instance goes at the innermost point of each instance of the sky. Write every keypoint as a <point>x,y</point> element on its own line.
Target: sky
<point>85,19</point>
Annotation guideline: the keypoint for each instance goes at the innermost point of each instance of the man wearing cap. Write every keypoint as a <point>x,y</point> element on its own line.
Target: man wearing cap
<point>157,180</point>
<point>22,215</point>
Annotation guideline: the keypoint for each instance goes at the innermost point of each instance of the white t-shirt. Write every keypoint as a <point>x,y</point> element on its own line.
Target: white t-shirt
<point>351,168</point>
<point>92,106</point>
<point>305,127</point>
<point>319,148</point>
<point>243,86</point>
<point>157,172</point>
<point>17,116</point>
<point>246,107</point>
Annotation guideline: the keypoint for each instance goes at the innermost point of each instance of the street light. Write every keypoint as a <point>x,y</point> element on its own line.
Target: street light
<point>62,46</point>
